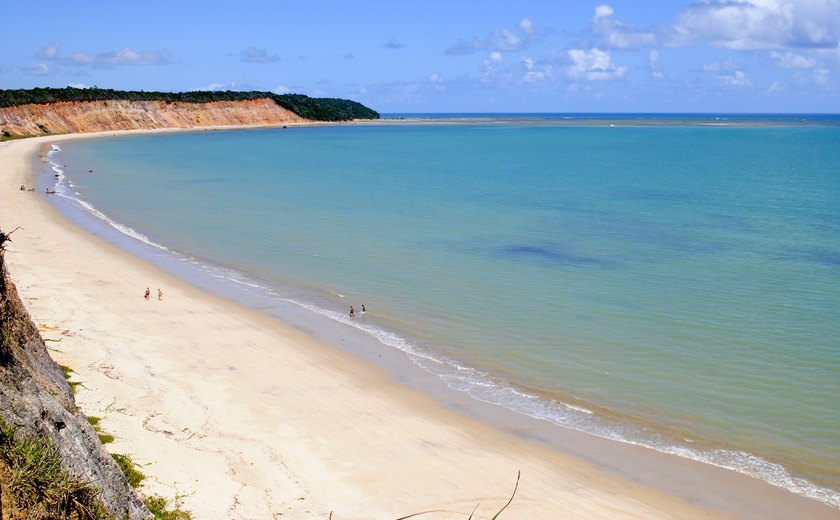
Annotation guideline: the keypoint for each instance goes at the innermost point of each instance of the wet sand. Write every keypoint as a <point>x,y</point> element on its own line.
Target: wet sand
<point>243,416</point>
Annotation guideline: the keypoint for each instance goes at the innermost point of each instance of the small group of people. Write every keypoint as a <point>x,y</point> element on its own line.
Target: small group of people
<point>23,188</point>
<point>148,294</point>
<point>353,311</point>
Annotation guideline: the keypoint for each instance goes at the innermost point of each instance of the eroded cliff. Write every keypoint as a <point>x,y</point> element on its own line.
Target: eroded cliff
<point>36,400</point>
<point>96,116</point>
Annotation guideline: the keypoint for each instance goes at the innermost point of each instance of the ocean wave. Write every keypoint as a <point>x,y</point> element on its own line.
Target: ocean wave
<point>478,384</point>
<point>63,188</point>
<point>485,387</point>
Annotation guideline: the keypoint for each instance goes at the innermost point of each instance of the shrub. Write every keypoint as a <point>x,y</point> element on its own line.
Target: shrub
<point>37,484</point>
<point>129,469</point>
<point>157,505</point>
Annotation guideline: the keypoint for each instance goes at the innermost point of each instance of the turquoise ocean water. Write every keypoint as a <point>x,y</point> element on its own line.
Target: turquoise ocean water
<point>672,285</point>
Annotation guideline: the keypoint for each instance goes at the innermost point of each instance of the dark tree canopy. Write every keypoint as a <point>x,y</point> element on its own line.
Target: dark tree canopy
<point>317,109</point>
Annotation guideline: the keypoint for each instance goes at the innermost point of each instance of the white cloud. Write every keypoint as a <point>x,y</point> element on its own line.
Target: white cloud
<point>78,58</point>
<point>49,51</point>
<point>727,65</point>
<point>78,85</point>
<point>829,56</point>
<point>735,78</point>
<point>281,89</point>
<point>254,55</point>
<point>125,56</point>
<point>491,65</point>
<point>500,40</point>
<point>821,77</point>
<point>436,82</point>
<point>526,26</point>
<point>131,57</point>
<point>616,34</point>
<point>40,69</point>
<point>215,87</point>
<point>603,11</point>
<point>505,40</point>
<point>592,65</point>
<point>462,47</point>
<point>535,73</point>
<point>759,24</point>
<point>790,60</point>
<point>775,88</point>
<point>654,69</point>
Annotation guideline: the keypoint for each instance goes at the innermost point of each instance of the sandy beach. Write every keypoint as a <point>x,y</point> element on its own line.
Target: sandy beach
<point>242,416</point>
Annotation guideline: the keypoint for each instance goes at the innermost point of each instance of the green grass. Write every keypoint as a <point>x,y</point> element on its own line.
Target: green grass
<point>158,506</point>
<point>129,469</point>
<point>32,477</point>
<point>67,375</point>
<point>104,437</point>
<point>37,484</point>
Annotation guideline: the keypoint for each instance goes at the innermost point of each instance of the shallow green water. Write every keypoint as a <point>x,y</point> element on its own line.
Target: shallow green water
<point>677,287</point>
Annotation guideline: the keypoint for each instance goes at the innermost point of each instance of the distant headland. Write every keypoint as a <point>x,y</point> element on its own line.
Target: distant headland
<point>43,111</point>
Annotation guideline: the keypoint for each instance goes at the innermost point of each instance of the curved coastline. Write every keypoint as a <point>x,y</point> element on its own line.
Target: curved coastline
<point>739,500</point>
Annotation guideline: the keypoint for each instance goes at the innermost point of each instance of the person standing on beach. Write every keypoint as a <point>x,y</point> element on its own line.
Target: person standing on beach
<point>352,311</point>
<point>160,294</point>
<point>146,296</point>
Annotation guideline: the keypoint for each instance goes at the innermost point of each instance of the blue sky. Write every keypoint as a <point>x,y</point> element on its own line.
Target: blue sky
<point>444,56</point>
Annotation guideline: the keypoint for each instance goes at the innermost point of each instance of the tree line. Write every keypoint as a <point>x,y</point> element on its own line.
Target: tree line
<point>317,109</point>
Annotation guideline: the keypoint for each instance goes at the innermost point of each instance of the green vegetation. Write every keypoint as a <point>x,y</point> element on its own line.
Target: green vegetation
<point>157,505</point>
<point>129,469</point>
<point>67,374</point>
<point>104,437</point>
<point>35,486</point>
<point>324,109</point>
<point>6,136</point>
<point>318,109</point>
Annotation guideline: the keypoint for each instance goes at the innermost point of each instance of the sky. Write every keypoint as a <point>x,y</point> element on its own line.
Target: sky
<point>723,56</point>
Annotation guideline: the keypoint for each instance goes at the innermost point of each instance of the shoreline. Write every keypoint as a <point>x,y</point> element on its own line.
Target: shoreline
<point>438,446</point>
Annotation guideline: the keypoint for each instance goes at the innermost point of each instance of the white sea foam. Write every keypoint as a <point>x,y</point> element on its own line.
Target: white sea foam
<point>62,186</point>
<point>481,385</point>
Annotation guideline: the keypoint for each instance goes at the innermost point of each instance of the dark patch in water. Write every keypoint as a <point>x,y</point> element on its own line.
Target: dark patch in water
<point>662,196</point>
<point>532,251</point>
<point>821,256</point>
<point>552,255</point>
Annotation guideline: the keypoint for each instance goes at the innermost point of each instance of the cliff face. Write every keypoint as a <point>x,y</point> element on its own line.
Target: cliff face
<point>97,116</point>
<point>35,399</point>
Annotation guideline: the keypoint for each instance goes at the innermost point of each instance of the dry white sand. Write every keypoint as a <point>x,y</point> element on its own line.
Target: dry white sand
<point>244,417</point>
